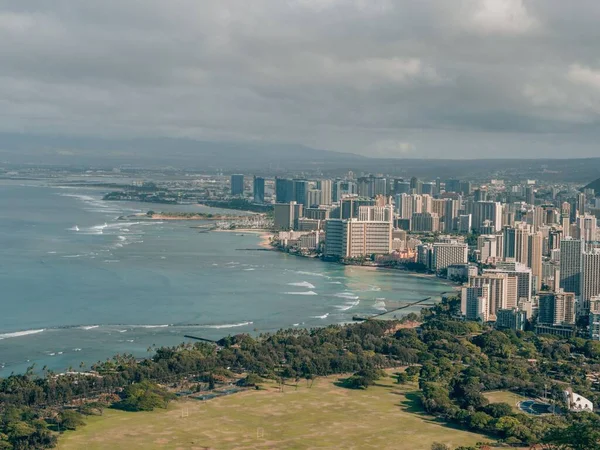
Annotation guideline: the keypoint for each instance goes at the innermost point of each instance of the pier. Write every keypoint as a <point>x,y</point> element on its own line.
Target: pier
<point>362,319</point>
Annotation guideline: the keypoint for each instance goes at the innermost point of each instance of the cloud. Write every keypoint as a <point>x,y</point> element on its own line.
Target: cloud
<point>503,17</point>
<point>461,78</point>
<point>584,76</point>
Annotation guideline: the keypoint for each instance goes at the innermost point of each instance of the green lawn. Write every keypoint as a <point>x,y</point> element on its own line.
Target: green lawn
<point>322,417</point>
<point>505,397</point>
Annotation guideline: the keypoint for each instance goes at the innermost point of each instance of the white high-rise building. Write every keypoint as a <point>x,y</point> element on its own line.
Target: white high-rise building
<point>448,253</point>
<point>325,186</point>
<point>475,303</point>
<point>590,277</point>
<point>523,275</point>
<point>404,206</point>
<point>586,227</point>
<point>497,294</point>
<point>352,238</point>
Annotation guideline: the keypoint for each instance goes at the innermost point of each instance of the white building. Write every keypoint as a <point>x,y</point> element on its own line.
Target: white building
<point>352,238</point>
<point>576,402</point>
<point>449,253</point>
<point>474,303</point>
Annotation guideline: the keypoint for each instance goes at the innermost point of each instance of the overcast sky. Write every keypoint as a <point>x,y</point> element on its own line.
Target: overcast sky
<point>414,78</point>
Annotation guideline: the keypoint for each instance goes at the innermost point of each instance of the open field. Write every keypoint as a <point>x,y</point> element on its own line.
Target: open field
<point>505,397</point>
<point>324,417</point>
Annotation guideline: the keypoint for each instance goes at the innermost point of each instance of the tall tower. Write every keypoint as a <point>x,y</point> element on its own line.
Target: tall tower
<point>571,252</point>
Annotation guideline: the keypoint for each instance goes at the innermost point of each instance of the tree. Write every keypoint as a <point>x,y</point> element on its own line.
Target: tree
<point>439,446</point>
<point>582,434</point>
<point>70,420</point>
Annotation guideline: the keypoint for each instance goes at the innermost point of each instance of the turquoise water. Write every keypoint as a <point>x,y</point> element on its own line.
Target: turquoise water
<point>77,285</point>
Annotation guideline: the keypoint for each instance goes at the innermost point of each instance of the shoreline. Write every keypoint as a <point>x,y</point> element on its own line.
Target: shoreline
<point>265,235</point>
<point>431,276</point>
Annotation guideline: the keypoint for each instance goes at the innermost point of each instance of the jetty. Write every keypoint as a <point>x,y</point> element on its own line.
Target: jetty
<point>362,319</point>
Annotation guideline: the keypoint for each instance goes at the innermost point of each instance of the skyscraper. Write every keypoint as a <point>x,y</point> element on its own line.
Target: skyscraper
<point>301,188</point>
<point>484,211</point>
<point>590,276</point>
<point>325,186</point>
<point>237,184</point>
<point>259,190</point>
<point>586,227</point>
<point>571,252</point>
<point>284,190</point>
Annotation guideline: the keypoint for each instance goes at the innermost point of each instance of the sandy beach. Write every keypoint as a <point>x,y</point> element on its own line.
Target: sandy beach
<point>265,235</point>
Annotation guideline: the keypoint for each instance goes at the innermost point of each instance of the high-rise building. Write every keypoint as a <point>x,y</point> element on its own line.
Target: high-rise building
<point>301,188</point>
<point>259,190</point>
<point>353,238</point>
<point>557,308</point>
<point>594,318</point>
<point>237,184</point>
<point>586,227</point>
<point>404,206</point>
<point>512,319</point>
<point>465,224</point>
<point>530,195</point>
<point>487,211</point>
<point>523,275</point>
<point>475,303</point>
<point>375,213</point>
<point>534,258</point>
<point>581,201</point>
<point>342,189</point>
<point>487,248</point>
<point>313,198</point>
<point>350,206</point>
<point>498,296</point>
<point>448,253</point>
<point>453,186</point>
<point>286,215</point>
<point>379,187</point>
<point>325,186</point>
<point>571,253</point>
<point>284,190</point>
<point>590,276</point>
<point>425,222</point>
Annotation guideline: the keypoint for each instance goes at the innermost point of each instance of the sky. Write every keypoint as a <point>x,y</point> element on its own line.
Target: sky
<point>383,78</point>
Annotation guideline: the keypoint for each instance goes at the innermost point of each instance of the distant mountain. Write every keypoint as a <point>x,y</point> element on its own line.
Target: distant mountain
<point>595,185</point>
<point>271,159</point>
<point>165,152</point>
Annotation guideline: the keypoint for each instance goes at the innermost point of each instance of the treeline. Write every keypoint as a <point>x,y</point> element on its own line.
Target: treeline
<point>453,363</point>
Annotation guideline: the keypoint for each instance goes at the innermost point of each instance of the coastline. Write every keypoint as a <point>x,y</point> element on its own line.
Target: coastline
<point>431,276</point>
<point>265,235</point>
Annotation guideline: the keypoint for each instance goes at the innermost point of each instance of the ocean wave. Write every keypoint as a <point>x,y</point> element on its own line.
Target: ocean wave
<point>348,295</point>
<point>334,282</point>
<point>149,326</point>
<point>227,325</point>
<point>348,305</point>
<point>89,327</point>
<point>324,316</point>
<point>380,306</point>
<point>20,333</point>
<point>121,238</point>
<point>301,293</point>
<point>72,256</point>
<point>314,274</point>
<point>250,269</point>
<point>305,284</point>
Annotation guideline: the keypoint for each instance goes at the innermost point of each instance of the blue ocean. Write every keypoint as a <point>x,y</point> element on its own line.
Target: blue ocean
<point>77,285</point>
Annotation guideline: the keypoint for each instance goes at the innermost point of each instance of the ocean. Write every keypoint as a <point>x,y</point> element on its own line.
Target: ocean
<point>77,285</point>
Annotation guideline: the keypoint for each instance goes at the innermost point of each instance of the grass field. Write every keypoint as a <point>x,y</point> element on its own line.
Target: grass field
<point>322,417</point>
<point>505,397</point>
